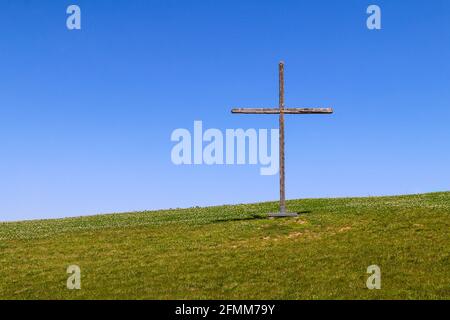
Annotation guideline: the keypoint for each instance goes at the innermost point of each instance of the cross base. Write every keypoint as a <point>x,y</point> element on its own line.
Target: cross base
<point>282,214</point>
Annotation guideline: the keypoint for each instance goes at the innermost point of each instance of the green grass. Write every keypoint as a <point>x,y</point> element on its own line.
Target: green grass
<point>233,252</point>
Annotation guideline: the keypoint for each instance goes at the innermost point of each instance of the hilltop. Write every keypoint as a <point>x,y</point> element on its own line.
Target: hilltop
<point>234,252</point>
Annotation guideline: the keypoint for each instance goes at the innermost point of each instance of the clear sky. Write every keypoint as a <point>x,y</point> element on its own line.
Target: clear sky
<point>86,115</point>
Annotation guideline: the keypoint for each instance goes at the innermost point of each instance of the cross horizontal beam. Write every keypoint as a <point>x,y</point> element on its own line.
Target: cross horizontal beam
<point>285,110</point>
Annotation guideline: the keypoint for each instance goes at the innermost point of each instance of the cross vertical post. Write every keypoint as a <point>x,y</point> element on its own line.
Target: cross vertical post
<point>281,131</point>
<point>281,110</point>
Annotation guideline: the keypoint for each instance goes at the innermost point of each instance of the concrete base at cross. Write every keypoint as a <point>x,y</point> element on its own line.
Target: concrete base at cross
<point>282,214</point>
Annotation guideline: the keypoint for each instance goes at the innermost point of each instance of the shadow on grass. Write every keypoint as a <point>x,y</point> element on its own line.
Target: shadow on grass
<point>256,217</point>
<point>252,217</point>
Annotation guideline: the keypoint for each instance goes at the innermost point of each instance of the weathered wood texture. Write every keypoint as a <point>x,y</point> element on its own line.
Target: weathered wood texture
<point>281,111</point>
<point>285,110</point>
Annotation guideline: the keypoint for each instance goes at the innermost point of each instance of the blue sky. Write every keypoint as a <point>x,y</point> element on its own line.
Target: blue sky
<point>86,115</point>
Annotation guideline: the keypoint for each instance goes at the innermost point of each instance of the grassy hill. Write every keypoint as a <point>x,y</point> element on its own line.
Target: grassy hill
<point>233,252</point>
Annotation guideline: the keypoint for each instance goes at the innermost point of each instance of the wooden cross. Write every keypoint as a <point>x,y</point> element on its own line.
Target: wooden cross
<point>282,111</point>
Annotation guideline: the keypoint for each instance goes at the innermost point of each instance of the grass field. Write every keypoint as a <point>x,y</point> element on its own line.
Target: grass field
<point>233,252</point>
